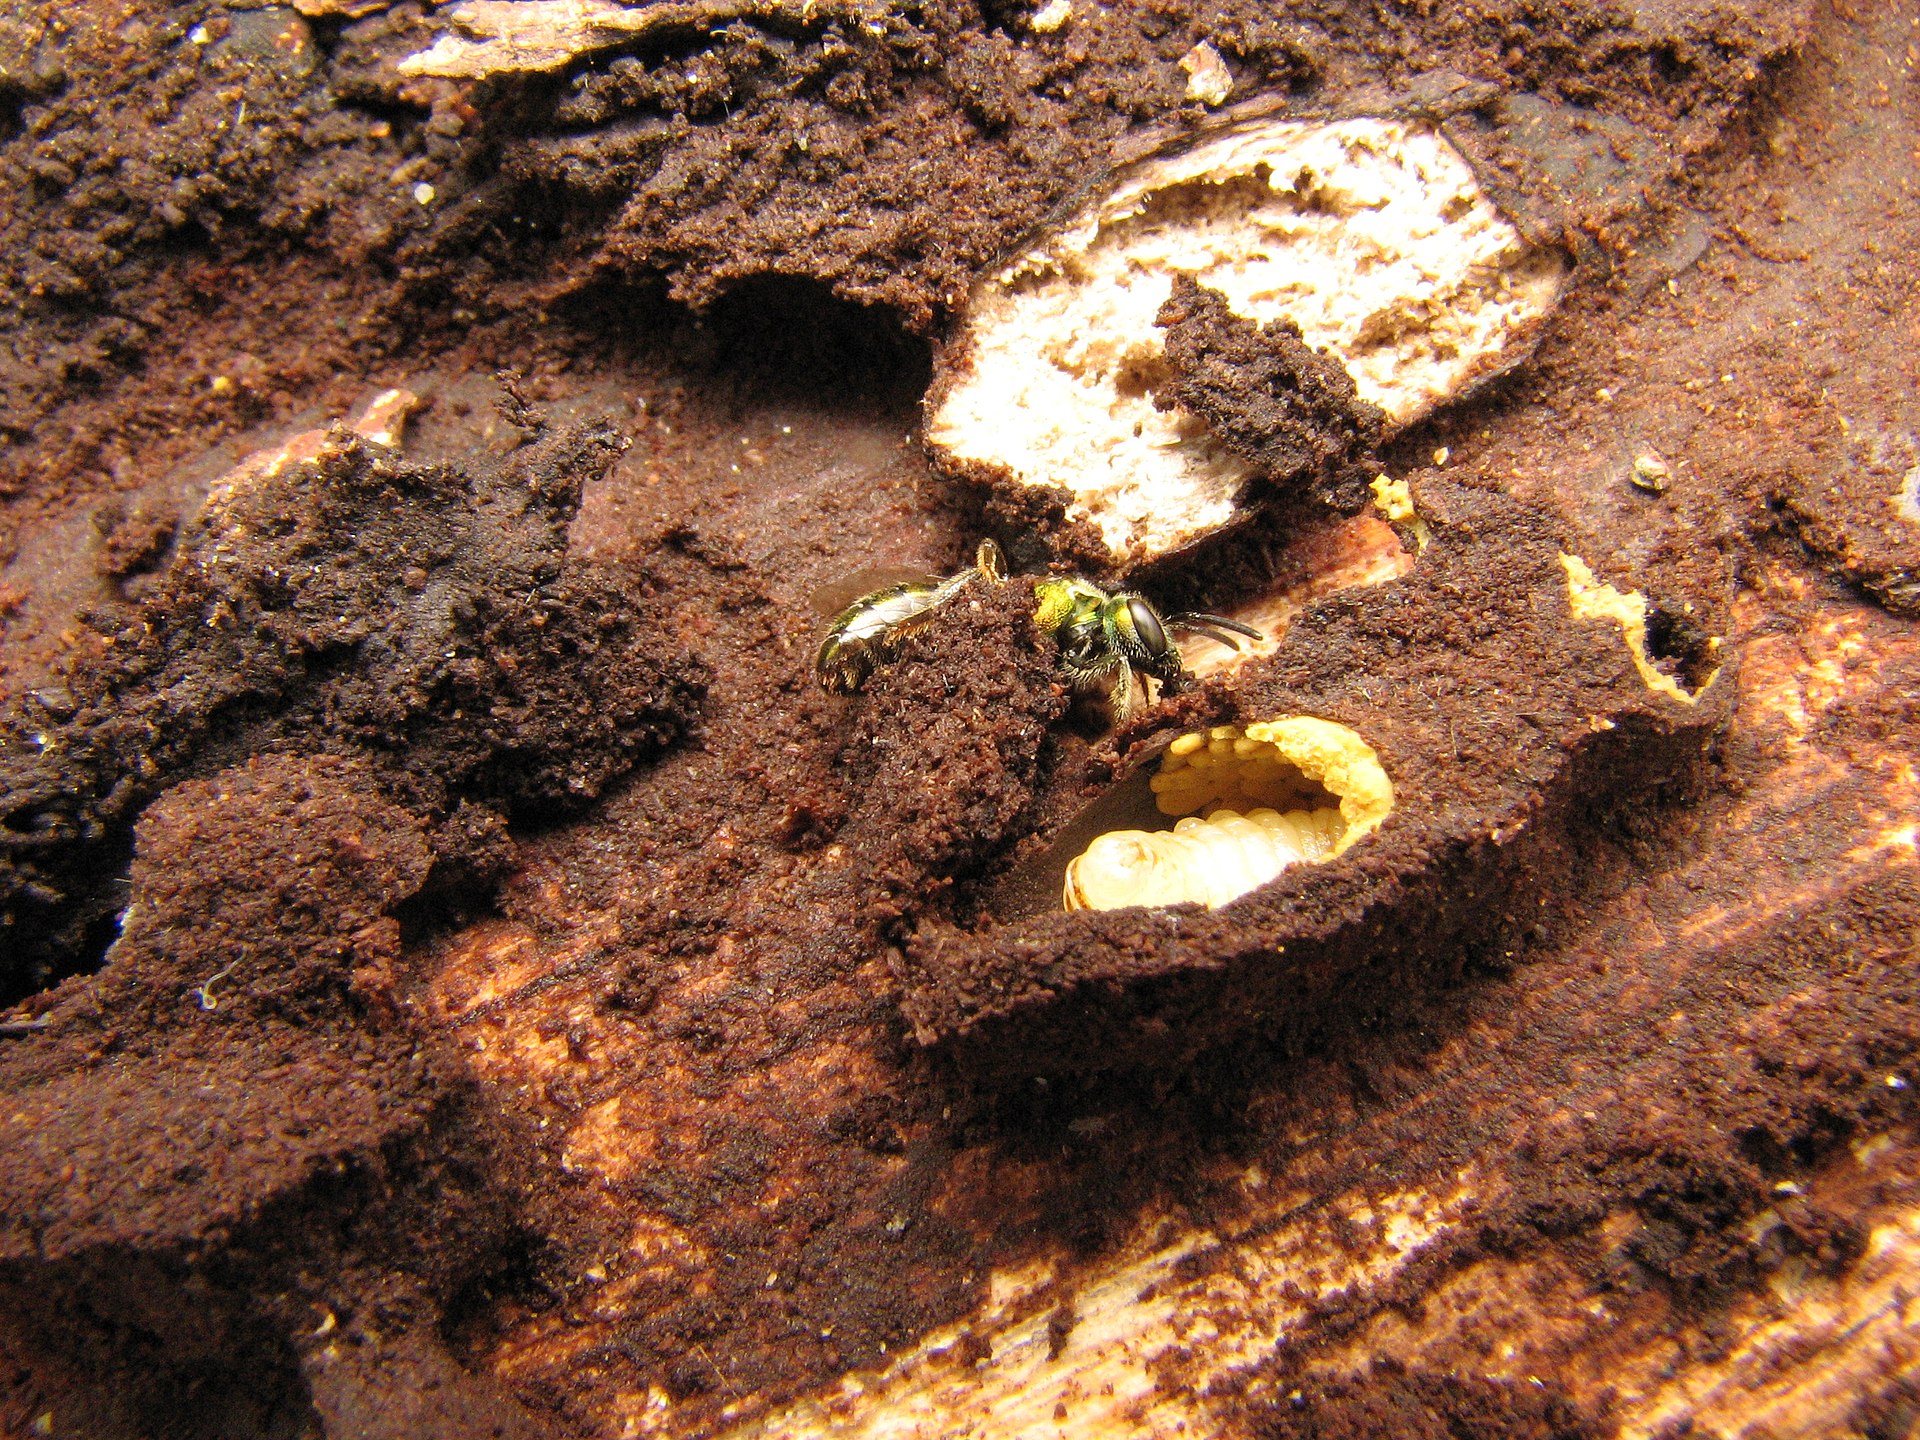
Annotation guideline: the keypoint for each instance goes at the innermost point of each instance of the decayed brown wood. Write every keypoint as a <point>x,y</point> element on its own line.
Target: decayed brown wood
<point>1369,1242</point>
<point>1795,1356</point>
<point>1652,1157</point>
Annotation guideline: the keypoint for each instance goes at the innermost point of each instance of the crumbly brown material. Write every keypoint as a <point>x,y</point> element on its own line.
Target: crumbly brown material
<point>1640,1157</point>
<point>358,600</point>
<point>143,1162</point>
<point>1290,410</point>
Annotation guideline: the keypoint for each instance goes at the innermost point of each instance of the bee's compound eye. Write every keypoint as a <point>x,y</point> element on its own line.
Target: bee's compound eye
<point>1146,625</point>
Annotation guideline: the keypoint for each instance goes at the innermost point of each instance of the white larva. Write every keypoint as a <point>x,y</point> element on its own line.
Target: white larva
<point>1236,779</point>
<point>1211,859</point>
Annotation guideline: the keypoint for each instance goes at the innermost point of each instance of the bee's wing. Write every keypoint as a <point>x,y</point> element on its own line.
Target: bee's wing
<point>897,610</point>
<point>830,599</point>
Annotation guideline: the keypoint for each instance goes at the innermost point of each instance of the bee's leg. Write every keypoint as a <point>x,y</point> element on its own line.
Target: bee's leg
<point>989,562</point>
<point>1120,694</point>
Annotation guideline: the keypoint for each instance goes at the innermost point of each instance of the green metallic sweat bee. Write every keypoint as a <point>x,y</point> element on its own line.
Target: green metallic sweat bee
<point>1111,640</point>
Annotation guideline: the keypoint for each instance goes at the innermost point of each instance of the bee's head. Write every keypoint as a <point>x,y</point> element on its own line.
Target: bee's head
<point>1140,634</point>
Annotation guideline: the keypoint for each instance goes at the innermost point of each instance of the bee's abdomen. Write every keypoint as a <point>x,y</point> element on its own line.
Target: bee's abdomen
<point>843,664</point>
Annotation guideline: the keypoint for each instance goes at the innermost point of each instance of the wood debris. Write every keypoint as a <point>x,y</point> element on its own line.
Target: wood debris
<point>497,37</point>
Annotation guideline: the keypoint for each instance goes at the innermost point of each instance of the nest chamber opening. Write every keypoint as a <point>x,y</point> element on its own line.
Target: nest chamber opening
<point>1253,801</point>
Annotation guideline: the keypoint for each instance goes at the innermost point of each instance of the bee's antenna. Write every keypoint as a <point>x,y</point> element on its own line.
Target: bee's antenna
<point>1211,626</point>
